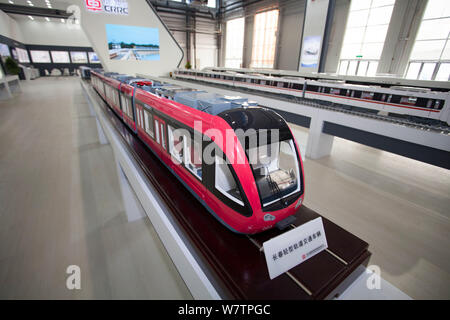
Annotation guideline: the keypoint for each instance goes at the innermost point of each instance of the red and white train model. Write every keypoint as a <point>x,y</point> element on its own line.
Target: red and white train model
<point>422,105</point>
<point>246,196</point>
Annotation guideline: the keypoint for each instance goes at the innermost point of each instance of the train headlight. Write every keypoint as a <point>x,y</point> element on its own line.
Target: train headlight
<point>268,217</point>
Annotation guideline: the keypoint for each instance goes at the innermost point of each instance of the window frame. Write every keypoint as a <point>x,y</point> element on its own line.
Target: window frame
<point>437,66</point>
<point>438,61</point>
<point>254,61</point>
<point>363,41</point>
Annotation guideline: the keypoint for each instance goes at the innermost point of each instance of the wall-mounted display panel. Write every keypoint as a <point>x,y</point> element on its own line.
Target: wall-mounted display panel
<point>132,43</point>
<point>78,57</point>
<point>40,56</point>
<point>93,58</point>
<point>22,55</point>
<point>60,57</point>
<point>4,50</point>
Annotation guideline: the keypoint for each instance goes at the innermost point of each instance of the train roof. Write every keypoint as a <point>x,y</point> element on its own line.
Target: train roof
<point>256,118</point>
<point>211,103</point>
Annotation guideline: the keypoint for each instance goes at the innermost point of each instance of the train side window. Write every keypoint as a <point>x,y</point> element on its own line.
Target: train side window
<point>163,139</point>
<point>194,156</point>
<point>157,131</point>
<point>297,86</point>
<point>176,144</point>
<point>148,120</point>
<point>224,181</point>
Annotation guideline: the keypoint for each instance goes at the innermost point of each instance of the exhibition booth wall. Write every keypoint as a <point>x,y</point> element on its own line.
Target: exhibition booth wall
<point>45,45</point>
<point>133,42</point>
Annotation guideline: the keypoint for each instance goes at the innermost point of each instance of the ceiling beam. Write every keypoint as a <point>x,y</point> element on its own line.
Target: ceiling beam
<point>34,11</point>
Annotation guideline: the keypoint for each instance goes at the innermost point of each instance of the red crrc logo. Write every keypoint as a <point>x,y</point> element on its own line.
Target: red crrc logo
<point>94,5</point>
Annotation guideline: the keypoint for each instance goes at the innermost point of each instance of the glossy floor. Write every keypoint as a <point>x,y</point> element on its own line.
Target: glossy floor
<point>62,204</point>
<point>401,207</point>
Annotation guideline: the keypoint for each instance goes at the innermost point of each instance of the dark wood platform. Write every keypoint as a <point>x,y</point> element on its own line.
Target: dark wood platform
<point>235,263</point>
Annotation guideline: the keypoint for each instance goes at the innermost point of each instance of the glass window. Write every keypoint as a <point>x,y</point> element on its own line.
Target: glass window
<point>157,131</point>
<point>427,71</point>
<point>362,68</point>
<point>365,34</point>
<point>372,70</point>
<point>224,181</point>
<point>276,170</point>
<point>176,144</point>
<point>148,121</point>
<point>432,43</point>
<point>234,43</point>
<point>444,72</point>
<point>264,39</point>
<point>343,67</point>
<point>352,68</point>
<point>194,156</point>
<point>163,139</point>
<point>413,70</point>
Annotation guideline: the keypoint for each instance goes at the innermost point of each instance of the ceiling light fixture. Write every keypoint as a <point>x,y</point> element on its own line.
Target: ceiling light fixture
<point>47,19</point>
<point>31,17</point>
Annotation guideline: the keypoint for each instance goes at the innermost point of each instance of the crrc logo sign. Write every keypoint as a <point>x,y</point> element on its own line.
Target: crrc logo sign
<point>109,6</point>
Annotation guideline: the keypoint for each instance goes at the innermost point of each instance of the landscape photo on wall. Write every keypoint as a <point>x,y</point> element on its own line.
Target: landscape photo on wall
<point>132,42</point>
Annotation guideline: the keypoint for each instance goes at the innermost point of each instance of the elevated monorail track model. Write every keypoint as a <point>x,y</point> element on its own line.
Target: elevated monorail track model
<point>420,108</point>
<point>384,81</point>
<point>234,262</point>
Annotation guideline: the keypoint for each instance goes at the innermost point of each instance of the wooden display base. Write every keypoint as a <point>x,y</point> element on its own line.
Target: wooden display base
<point>234,263</point>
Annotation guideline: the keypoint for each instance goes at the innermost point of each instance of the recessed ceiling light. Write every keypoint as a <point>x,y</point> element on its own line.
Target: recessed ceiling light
<point>47,19</point>
<point>31,17</point>
<point>63,21</point>
<point>12,2</point>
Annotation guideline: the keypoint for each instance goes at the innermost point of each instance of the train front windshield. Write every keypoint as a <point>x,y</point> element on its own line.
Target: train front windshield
<point>276,169</point>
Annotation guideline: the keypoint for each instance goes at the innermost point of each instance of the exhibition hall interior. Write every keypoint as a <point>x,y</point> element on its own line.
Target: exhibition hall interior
<point>225,150</point>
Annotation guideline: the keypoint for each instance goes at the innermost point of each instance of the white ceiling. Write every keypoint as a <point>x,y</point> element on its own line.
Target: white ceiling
<point>56,4</point>
<point>21,17</point>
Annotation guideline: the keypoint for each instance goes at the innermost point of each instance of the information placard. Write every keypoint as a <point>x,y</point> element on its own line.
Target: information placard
<point>294,247</point>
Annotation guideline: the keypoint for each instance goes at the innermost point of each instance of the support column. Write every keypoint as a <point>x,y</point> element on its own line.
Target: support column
<point>319,144</point>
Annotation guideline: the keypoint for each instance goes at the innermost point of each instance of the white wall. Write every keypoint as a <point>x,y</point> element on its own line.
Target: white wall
<point>139,14</point>
<point>10,28</point>
<point>53,34</point>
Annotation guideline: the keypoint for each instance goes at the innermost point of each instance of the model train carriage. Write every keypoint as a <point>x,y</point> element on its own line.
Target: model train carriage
<point>407,102</point>
<point>247,198</point>
<point>247,195</point>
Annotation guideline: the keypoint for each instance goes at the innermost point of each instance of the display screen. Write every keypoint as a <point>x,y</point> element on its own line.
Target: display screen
<point>22,55</point>
<point>132,43</point>
<point>4,50</point>
<point>60,57</point>
<point>78,57</point>
<point>93,58</point>
<point>39,56</point>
